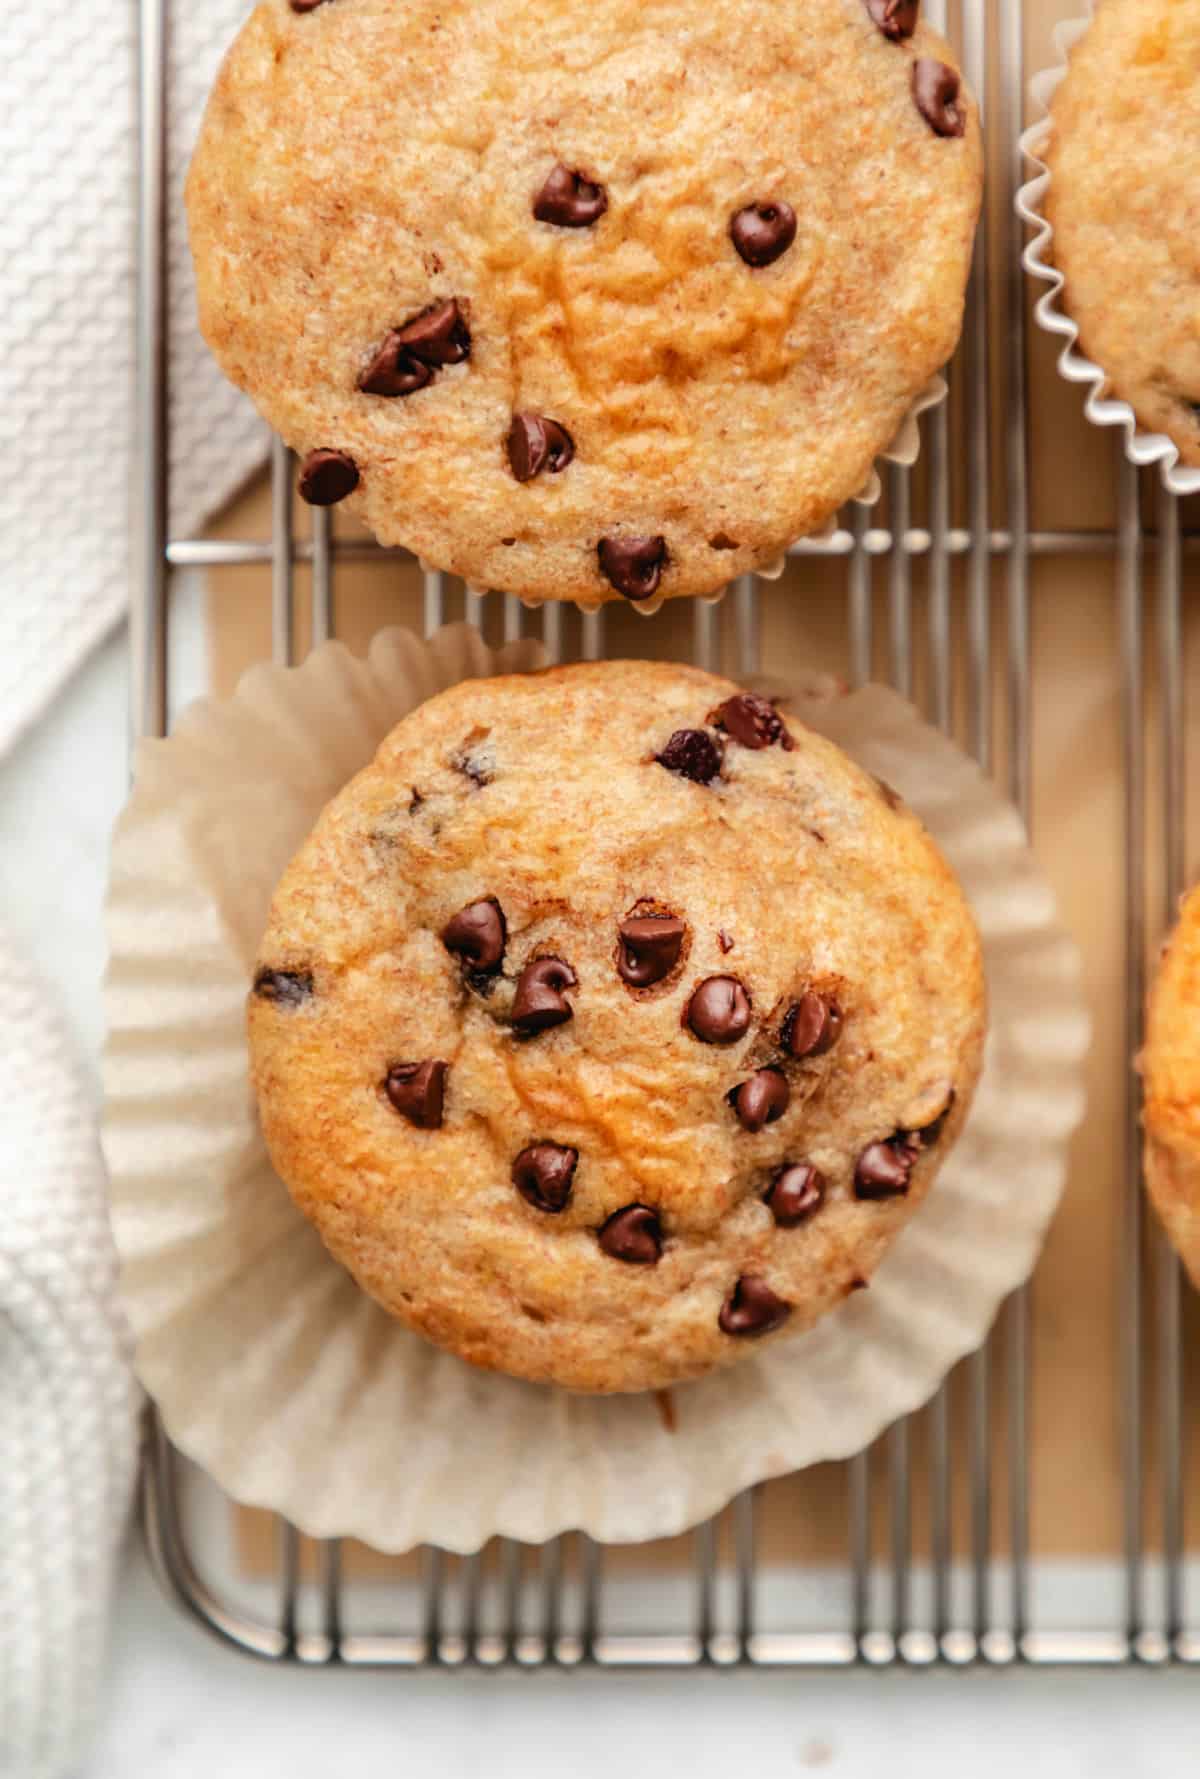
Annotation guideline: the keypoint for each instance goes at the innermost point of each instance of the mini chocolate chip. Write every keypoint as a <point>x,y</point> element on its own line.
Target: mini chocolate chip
<point>812,1026</point>
<point>535,444</point>
<point>544,1174</point>
<point>723,541</point>
<point>725,940</point>
<point>327,477</point>
<point>570,201</point>
<point>884,1170</point>
<point>692,753</point>
<point>438,335</point>
<point>540,1001</point>
<point>394,372</point>
<point>797,1193</point>
<point>284,988</point>
<point>719,1011</point>
<point>478,934</point>
<point>633,565</point>
<point>411,355</point>
<point>649,949</point>
<point>633,1235</point>
<point>761,1100</point>
<point>415,801</point>
<point>937,89</point>
<point>752,1308</point>
<point>418,1091</point>
<point>762,233</point>
<point>897,19</point>
<point>753,721</point>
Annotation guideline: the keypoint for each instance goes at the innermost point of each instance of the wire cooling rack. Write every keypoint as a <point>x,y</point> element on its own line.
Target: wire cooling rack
<point>937,590</point>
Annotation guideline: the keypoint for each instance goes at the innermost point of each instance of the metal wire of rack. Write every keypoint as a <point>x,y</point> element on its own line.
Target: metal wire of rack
<point>979,1607</point>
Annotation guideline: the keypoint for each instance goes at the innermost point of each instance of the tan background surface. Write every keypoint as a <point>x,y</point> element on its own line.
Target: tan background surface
<point>1080,1331</point>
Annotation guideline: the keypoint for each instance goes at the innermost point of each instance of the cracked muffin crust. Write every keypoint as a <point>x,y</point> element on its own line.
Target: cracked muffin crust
<point>610,1022</point>
<point>593,299</point>
<point>1170,1065</point>
<point>1123,199</point>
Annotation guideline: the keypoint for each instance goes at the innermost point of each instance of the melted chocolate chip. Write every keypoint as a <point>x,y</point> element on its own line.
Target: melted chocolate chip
<point>544,1174</point>
<point>326,477</point>
<point>570,201</point>
<point>393,372</point>
<point>692,753</point>
<point>633,1235</point>
<point>649,949</point>
<point>761,1100</point>
<point>535,444</point>
<point>753,722</point>
<point>752,1308</point>
<point>719,1011</point>
<point>478,934</point>
<point>897,19</point>
<point>812,1026</point>
<point>797,1193</point>
<point>540,1001</point>
<point>418,1092</point>
<point>884,1170</point>
<point>633,565</point>
<point>762,233</point>
<point>411,355</point>
<point>284,988</point>
<point>937,90</point>
<point>439,335</point>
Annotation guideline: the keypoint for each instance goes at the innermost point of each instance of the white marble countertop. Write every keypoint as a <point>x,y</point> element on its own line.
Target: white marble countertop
<point>180,1707</point>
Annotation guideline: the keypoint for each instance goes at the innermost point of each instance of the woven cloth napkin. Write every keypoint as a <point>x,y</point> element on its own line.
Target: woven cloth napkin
<point>68,1406</point>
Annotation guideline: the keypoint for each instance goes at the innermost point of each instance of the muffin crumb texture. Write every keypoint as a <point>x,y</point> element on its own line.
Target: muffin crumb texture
<point>604,1064</point>
<point>591,300</point>
<point>1123,202</point>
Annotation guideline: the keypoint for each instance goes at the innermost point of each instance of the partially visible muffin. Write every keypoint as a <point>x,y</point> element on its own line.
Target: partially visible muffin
<point>610,1022</point>
<point>1170,1064</point>
<point>588,299</point>
<point>1124,199</point>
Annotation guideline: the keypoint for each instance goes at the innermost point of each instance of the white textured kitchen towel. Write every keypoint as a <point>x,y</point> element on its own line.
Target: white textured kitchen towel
<point>68,1402</point>
<point>67,285</point>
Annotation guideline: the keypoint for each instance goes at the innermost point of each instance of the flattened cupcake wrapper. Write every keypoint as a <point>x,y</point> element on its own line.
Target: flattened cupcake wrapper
<point>296,1392</point>
<point>1102,409</point>
<point>904,450</point>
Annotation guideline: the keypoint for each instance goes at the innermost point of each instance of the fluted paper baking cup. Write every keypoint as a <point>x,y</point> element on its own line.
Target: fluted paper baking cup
<point>289,1385</point>
<point>903,451</point>
<point>1102,408</point>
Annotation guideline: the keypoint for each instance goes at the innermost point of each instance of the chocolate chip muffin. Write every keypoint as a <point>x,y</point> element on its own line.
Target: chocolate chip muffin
<point>610,1023</point>
<point>1123,200</point>
<point>590,299</point>
<point>1170,1064</point>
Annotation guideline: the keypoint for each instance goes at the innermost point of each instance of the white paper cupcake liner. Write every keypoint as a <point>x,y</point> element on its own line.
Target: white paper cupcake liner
<point>904,450</point>
<point>1103,409</point>
<point>294,1390</point>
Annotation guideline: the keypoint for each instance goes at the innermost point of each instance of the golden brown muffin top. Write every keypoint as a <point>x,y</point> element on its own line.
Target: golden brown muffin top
<point>622,296</point>
<point>609,1021</point>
